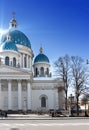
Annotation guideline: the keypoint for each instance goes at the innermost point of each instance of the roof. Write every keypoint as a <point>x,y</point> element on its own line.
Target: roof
<point>41,58</point>
<point>9,45</point>
<point>17,37</point>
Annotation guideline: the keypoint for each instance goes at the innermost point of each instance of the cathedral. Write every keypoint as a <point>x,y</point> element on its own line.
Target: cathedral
<point>26,82</point>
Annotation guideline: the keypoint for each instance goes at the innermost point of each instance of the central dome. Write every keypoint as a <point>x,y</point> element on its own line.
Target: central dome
<point>17,37</point>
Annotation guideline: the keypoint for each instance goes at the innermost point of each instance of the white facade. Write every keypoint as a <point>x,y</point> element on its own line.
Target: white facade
<point>26,84</point>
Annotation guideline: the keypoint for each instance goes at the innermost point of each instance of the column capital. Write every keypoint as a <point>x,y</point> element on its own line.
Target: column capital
<point>23,54</point>
<point>28,80</point>
<point>9,80</point>
<point>19,80</point>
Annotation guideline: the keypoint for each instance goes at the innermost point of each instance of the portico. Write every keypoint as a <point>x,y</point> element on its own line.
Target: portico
<point>20,89</point>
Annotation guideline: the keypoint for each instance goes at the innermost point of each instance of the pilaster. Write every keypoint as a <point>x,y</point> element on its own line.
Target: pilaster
<point>28,95</point>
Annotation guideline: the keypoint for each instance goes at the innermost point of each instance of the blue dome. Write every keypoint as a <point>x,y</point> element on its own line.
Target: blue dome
<point>41,58</point>
<point>17,37</point>
<point>9,45</point>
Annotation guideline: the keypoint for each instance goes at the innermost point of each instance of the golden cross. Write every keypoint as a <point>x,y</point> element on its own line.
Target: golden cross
<point>13,14</point>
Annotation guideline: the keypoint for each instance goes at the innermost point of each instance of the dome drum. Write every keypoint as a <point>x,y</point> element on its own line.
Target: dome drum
<point>10,58</point>
<point>42,72</point>
<point>41,69</point>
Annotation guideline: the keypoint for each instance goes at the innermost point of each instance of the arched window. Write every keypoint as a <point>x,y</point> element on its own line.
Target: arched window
<point>14,62</point>
<point>36,72</point>
<point>43,101</point>
<point>25,62</point>
<point>42,72</point>
<point>7,60</point>
<point>12,25</point>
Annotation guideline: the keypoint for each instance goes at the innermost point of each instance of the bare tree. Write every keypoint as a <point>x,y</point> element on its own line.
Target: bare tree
<point>80,77</point>
<point>62,67</point>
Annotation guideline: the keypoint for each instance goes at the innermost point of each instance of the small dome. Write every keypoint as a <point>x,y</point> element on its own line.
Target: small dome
<point>17,37</point>
<point>9,45</point>
<point>41,57</point>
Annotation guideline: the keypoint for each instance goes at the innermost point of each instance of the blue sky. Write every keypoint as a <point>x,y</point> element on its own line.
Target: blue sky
<point>61,26</point>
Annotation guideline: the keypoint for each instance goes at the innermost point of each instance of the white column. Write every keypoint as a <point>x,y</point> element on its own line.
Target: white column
<point>27,60</point>
<point>0,96</point>
<point>30,63</point>
<point>19,96</point>
<point>9,95</point>
<point>28,95</point>
<point>23,60</point>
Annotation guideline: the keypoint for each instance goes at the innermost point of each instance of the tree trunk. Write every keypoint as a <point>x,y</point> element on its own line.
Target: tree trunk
<point>77,106</point>
<point>85,110</point>
<point>66,100</point>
